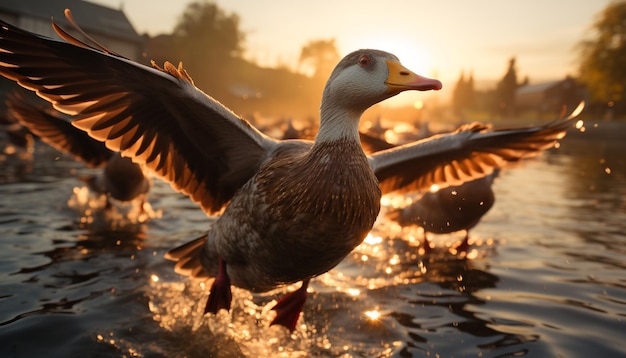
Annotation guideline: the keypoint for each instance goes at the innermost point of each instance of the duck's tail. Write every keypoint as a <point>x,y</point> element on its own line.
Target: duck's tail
<point>188,258</point>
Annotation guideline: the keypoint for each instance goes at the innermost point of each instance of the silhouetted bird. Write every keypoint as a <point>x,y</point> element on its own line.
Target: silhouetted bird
<point>451,209</point>
<point>19,140</point>
<point>448,210</point>
<point>120,178</point>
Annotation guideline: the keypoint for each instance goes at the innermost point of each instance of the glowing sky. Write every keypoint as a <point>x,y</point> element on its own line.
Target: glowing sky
<point>439,38</point>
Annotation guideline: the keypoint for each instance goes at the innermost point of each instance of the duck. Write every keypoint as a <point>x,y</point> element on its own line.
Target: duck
<point>449,210</point>
<point>443,211</point>
<point>119,178</point>
<point>288,210</point>
<point>18,141</point>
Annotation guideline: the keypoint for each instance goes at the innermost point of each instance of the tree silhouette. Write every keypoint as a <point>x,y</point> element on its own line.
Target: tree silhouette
<point>317,59</point>
<point>320,56</point>
<point>206,40</point>
<point>464,95</point>
<point>603,58</point>
<point>505,92</point>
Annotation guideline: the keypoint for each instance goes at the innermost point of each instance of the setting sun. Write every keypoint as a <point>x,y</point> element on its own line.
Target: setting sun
<point>416,56</point>
<point>411,53</point>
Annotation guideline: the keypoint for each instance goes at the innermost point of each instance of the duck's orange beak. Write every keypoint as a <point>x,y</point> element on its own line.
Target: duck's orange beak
<point>402,79</point>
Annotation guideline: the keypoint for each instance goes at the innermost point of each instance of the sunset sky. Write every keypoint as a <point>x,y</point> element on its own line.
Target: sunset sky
<point>434,38</point>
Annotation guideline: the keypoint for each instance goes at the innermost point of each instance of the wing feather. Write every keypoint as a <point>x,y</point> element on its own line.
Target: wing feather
<point>154,115</point>
<point>56,130</point>
<point>471,152</point>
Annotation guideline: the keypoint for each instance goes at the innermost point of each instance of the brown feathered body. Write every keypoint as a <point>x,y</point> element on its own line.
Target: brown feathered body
<point>297,218</point>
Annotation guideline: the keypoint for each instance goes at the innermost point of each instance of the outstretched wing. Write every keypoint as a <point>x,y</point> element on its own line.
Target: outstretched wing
<point>57,131</point>
<point>468,153</point>
<point>156,116</point>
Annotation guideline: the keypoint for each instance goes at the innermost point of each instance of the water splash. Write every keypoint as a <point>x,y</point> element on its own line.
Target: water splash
<point>94,212</point>
<point>244,331</point>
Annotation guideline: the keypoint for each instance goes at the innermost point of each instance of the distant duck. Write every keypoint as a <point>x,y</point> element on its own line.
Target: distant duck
<point>448,210</point>
<point>290,210</point>
<point>376,128</point>
<point>120,179</point>
<point>453,208</point>
<point>19,140</point>
<point>290,132</point>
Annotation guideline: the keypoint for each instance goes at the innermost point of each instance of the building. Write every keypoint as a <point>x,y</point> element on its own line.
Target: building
<point>549,97</point>
<point>110,27</point>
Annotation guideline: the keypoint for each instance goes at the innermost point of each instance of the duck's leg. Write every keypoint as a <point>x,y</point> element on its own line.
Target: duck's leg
<point>108,205</point>
<point>426,243</point>
<point>464,245</point>
<point>288,308</point>
<point>220,296</point>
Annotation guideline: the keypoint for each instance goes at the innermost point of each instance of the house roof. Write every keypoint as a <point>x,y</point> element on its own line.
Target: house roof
<point>539,87</point>
<point>91,17</point>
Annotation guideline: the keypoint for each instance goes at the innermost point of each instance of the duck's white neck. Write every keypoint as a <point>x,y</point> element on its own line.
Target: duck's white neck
<point>337,123</point>
<point>338,127</point>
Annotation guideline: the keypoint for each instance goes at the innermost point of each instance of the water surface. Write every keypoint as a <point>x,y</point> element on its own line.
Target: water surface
<point>545,275</point>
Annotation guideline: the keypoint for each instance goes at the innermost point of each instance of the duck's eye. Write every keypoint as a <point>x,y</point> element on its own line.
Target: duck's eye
<point>364,60</point>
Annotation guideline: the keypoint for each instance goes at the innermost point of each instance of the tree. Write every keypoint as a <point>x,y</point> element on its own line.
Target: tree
<point>602,65</point>
<point>464,95</point>
<point>505,92</point>
<point>205,27</point>
<point>206,40</point>
<point>320,56</point>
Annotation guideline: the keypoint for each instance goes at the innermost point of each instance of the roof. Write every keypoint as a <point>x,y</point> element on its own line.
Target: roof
<point>93,18</point>
<point>539,87</point>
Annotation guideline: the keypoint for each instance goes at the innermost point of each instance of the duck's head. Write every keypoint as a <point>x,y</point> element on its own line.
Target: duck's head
<point>362,79</point>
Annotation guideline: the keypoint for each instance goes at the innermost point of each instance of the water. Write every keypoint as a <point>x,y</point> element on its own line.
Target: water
<point>545,276</point>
